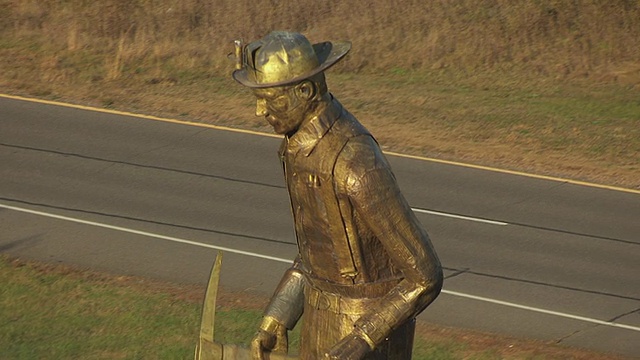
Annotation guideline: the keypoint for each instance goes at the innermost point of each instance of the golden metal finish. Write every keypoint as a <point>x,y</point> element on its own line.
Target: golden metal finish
<point>239,46</point>
<point>283,58</point>
<point>207,348</point>
<point>365,266</point>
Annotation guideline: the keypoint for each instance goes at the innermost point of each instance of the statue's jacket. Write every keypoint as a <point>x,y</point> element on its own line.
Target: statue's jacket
<point>365,263</point>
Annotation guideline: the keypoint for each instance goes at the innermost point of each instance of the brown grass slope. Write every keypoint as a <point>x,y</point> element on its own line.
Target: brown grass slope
<point>536,85</point>
<point>557,38</point>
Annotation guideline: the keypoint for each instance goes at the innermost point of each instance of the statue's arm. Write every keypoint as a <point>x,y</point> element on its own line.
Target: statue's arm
<point>287,301</point>
<point>281,315</point>
<point>376,198</point>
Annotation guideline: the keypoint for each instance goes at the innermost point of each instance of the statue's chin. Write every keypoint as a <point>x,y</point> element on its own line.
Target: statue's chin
<point>283,130</point>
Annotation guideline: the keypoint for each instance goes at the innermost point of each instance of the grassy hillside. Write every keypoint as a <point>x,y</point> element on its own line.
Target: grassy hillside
<point>535,85</point>
<point>557,38</point>
<point>61,312</point>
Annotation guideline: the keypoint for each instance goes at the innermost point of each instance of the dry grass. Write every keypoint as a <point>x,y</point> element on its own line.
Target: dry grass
<point>544,86</point>
<point>557,38</point>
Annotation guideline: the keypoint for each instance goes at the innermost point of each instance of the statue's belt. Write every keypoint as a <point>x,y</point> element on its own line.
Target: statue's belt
<point>345,299</point>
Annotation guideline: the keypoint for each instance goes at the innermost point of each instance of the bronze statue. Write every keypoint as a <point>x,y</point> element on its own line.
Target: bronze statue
<point>366,267</point>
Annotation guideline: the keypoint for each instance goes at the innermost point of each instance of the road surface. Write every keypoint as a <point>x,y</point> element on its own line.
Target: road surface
<point>525,256</point>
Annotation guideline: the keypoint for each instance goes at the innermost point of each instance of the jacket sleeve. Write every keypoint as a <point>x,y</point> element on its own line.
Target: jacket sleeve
<point>376,198</point>
<point>287,302</point>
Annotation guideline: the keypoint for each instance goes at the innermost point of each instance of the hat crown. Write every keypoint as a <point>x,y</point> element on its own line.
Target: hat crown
<point>284,56</point>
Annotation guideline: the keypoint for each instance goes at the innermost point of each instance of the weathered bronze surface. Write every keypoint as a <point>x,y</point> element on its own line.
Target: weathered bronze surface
<point>366,266</point>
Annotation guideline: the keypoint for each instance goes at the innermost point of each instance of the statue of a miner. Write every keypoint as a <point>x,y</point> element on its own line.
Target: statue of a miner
<point>366,267</point>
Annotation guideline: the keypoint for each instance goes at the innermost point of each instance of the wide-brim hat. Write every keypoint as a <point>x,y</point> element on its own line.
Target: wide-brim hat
<point>283,58</point>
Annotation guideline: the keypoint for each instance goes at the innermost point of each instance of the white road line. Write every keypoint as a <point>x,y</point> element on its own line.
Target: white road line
<point>543,311</point>
<point>143,233</point>
<point>288,261</point>
<point>485,221</point>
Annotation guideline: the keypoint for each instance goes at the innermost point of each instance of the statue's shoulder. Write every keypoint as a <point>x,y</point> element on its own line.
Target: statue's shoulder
<point>347,125</point>
<point>360,155</point>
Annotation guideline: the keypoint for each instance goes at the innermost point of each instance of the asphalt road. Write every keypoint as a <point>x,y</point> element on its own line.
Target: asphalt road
<point>524,256</point>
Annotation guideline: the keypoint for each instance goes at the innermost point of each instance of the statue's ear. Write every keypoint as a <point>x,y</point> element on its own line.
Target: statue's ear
<point>306,90</point>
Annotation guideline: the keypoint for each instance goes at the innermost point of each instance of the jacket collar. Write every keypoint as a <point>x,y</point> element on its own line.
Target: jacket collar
<point>307,137</point>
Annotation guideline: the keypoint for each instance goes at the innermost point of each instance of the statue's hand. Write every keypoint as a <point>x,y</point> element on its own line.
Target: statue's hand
<point>274,339</point>
<point>351,347</point>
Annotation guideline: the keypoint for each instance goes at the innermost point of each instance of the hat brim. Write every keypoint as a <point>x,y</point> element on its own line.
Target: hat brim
<point>328,53</point>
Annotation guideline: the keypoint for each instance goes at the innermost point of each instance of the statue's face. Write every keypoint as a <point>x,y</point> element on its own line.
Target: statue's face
<point>282,107</point>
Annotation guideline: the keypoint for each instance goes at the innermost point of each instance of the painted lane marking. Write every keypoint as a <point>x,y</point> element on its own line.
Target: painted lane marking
<point>543,311</point>
<point>288,261</point>
<point>139,116</point>
<point>414,157</point>
<point>513,172</point>
<point>461,217</point>
<point>143,233</point>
